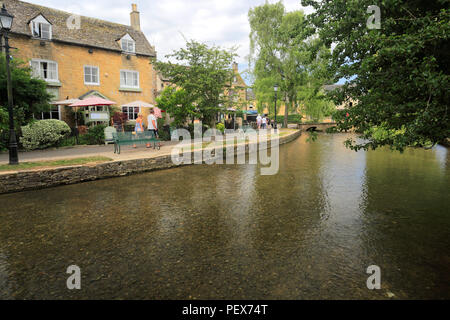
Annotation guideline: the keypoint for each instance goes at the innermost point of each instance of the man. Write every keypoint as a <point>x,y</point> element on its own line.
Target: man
<point>258,121</point>
<point>152,125</point>
<point>264,122</point>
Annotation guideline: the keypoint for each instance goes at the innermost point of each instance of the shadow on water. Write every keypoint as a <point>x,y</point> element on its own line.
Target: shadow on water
<point>226,232</point>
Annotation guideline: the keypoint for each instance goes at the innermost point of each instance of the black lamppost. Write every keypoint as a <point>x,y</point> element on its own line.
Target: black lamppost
<point>275,88</point>
<point>6,20</point>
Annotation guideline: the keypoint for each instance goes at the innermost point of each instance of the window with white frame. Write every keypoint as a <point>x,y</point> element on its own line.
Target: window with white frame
<point>91,75</point>
<point>131,112</point>
<point>128,44</point>
<point>129,79</point>
<point>46,70</point>
<point>53,113</point>
<point>41,28</point>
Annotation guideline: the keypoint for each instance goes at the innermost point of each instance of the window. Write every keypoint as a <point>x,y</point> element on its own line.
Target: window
<point>129,79</point>
<point>46,70</point>
<point>42,30</point>
<point>128,45</point>
<point>131,112</point>
<point>54,92</point>
<point>91,75</point>
<point>234,79</point>
<point>98,109</point>
<point>53,113</point>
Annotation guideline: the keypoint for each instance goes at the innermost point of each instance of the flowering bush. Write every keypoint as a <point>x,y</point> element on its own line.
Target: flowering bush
<point>43,134</point>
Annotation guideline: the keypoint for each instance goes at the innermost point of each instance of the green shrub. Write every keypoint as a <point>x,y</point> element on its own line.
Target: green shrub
<point>292,118</point>
<point>44,134</point>
<point>220,127</point>
<point>95,135</point>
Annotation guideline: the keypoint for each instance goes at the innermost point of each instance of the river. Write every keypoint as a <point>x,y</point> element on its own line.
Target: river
<point>226,232</point>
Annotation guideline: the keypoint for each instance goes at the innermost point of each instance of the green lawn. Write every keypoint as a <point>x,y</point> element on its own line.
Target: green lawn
<point>53,163</point>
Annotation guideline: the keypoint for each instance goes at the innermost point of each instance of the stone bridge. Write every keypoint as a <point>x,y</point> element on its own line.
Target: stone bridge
<point>313,126</point>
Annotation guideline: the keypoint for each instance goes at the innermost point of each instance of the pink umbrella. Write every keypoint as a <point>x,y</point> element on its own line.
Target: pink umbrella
<point>92,101</point>
<point>157,112</point>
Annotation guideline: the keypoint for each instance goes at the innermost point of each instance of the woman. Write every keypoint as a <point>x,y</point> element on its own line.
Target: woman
<point>139,127</point>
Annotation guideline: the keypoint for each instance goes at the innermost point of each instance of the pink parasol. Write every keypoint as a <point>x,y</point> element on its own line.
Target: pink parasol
<point>92,101</point>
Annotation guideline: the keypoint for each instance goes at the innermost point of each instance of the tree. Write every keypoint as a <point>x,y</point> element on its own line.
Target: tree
<point>202,72</point>
<point>176,102</point>
<point>30,97</point>
<point>398,74</point>
<point>282,53</point>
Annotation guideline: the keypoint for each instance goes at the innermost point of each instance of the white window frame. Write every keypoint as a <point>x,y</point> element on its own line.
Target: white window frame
<point>50,112</point>
<point>126,41</point>
<point>124,85</point>
<point>98,75</point>
<point>127,113</point>
<point>38,22</point>
<point>39,71</point>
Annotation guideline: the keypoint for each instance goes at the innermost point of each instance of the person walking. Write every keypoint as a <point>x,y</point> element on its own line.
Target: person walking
<point>264,123</point>
<point>258,121</point>
<point>139,127</point>
<point>153,125</point>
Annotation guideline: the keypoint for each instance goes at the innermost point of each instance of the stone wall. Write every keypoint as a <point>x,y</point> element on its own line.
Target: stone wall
<point>40,179</point>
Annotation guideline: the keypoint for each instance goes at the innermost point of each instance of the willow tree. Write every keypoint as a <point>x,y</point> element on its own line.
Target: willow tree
<point>397,67</point>
<point>282,53</point>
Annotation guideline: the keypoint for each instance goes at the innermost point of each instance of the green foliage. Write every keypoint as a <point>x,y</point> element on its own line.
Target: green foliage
<point>202,72</point>
<point>283,54</point>
<point>30,97</point>
<point>44,134</point>
<point>95,135</point>
<point>3,128</point>
<point>178,104</point>
<point>163,130</point>
<point>400,74</point>
<point>220,127</point>
<point>292,118</point>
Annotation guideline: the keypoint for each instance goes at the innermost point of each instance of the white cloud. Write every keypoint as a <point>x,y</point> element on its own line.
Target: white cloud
<point>165,22</point>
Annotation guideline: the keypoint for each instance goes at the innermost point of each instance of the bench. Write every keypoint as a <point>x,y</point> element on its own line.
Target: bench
<point>132,138</point>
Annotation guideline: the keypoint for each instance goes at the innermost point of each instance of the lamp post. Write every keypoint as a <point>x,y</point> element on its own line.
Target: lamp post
<point>6,20</point>
<point>275,88</point>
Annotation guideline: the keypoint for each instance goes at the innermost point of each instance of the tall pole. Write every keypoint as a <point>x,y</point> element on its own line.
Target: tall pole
<point>13,154</point>
<point>276,98</point>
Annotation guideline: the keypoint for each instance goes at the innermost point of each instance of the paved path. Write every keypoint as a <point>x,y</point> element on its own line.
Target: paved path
<point>127,152</point>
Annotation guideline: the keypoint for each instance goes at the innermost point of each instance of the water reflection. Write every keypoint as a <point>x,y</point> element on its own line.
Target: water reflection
<point>226,232</point>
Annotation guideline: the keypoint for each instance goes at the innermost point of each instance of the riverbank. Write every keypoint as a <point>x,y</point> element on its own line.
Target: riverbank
<point>129,162</point>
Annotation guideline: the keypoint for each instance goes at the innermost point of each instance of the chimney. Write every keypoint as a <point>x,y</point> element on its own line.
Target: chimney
<point>134,17</point>
<point>235,66</point>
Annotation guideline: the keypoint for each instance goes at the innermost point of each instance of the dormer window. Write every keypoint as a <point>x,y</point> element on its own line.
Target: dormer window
<point>128,44</point>
<point>41,28</point>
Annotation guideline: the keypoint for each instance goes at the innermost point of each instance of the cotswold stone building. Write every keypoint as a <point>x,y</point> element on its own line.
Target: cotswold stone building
<point>80,56</point>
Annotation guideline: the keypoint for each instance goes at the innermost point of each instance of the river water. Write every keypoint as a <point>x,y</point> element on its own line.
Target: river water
<point>226,232</point>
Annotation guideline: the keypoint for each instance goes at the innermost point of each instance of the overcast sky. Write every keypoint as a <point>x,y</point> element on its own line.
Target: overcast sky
<point>164,22</point>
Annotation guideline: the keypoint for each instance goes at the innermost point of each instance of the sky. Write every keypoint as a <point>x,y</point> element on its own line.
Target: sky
<point>166,23</point>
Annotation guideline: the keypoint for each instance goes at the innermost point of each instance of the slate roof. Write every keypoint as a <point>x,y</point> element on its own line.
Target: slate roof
<point>93,32</point>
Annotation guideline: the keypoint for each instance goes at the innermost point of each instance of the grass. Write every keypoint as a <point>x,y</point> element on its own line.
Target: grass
<point>53,163</point>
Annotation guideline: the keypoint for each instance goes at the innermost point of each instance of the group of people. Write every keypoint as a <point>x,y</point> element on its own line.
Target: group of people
<point>152,125</point>
<point>263,122</point>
